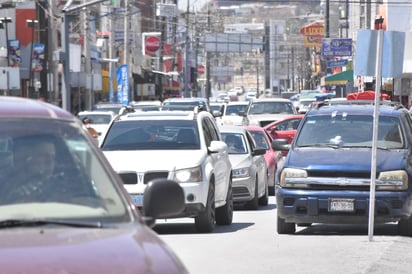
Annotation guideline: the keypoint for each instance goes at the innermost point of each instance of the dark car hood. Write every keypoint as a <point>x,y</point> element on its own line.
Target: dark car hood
<point>77,250</point>
<point>345,159</point>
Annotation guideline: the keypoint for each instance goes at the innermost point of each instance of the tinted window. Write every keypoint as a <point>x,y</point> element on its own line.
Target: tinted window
<point>350,130</point>
<point>271,108</point>
<point>152,134</point>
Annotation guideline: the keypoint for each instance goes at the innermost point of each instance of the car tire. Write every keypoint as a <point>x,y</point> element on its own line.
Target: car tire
<point>254,203</point>
<point>224,214</point>
<point>272,191</point>
<point>264,200</point>
<point>405,227</point>
<point>285,228</point>
<point>205,221</point>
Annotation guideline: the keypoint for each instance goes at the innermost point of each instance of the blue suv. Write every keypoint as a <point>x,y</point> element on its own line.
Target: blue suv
<point>325,177</point>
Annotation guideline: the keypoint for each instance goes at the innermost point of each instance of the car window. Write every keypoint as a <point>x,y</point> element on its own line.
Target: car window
<point>260,139</point>
<point>56,171</point>
<point>288,125</point>
<point>350,130</point>
<point>235,109</point>
<point>152,134</point>
<point>271,108</point>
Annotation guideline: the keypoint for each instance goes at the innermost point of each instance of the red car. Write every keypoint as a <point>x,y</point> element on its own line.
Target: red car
<point>263,140</point>
<point>63,209</point>
<point>284,128</point>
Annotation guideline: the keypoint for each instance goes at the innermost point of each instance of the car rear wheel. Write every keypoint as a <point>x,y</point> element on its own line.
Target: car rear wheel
<point>405,227</point>
<point>205,221</point>
<point>285,228</point>
<point>224,214</point>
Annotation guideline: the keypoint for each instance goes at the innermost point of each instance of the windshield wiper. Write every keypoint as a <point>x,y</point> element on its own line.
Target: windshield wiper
<point>41,222</point>
<point>336,146</point>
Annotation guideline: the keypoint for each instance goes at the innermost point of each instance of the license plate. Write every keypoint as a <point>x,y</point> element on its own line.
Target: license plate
<point>341,205</point>
<point>138,200</point>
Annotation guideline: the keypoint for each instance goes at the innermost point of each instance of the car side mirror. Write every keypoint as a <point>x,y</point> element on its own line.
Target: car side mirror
<point>162,198</point>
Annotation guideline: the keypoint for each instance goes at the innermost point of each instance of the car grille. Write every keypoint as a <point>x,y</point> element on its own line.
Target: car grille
<point>131,178</point>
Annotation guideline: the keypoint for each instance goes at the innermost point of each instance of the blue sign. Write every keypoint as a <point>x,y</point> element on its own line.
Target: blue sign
<point>332,47</point>
<point>122,85</point>
<point>337,63</point>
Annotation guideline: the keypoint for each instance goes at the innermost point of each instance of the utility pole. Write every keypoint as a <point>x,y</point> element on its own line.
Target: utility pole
<point>52,42</point>
<point>43,37</point>
<point>208,86</point>
<point>126,48</point>
<point>87,60</point>
<point>187,64</point>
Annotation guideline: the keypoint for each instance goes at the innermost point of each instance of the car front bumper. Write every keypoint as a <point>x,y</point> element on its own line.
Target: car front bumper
<point>313,206</point>
<point>243,189</point>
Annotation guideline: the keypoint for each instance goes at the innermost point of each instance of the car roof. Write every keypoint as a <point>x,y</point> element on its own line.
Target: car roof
<point>253,127</point>
<point>94,112</point>
<point>30,108</point>
<point>238,103</point>
<point>271,100</point>
<point>164,115</point>
<point>387,110</point>
<point>234,129</point>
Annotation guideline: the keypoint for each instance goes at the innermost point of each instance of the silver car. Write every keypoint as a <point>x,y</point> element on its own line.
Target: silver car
<point>250,184</point>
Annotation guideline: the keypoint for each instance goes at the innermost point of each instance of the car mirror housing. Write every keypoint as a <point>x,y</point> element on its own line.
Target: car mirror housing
<point>280,144</point>
<point>162,199</point>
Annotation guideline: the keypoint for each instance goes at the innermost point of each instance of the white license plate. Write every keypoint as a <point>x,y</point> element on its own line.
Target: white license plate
<point>138,200</point>
<point>341,205</point>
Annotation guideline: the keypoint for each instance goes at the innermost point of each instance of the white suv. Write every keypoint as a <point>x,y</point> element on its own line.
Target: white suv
<point>183,146</point>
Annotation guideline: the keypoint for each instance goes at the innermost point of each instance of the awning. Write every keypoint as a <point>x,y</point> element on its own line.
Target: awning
<point>338,79</point>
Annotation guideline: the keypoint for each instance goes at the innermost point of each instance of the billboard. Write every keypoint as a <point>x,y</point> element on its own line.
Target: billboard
<point>231,42</point>
<point>336,47</point>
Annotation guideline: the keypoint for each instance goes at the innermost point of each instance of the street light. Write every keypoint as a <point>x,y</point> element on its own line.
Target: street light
<point>31,24</point>
<point>4,21</point>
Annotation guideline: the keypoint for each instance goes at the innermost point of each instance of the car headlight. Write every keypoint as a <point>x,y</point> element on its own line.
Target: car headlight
<point>241,172</point>
<point>189,175</point>
<point>392,180</point>
<point>290,175</point>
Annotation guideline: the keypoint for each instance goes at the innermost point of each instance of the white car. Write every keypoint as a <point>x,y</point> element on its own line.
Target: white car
<point>267,110</point>
<point>183,146</point>
<point>305,104</point>
<point>250,184</point>
<point>99,120</point>
<point>231,114</point>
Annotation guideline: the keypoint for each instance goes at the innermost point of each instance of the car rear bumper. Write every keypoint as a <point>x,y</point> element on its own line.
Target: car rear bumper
<point>313,206</point>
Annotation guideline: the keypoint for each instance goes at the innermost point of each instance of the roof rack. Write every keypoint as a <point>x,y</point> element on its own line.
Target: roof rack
<point>393,104</point>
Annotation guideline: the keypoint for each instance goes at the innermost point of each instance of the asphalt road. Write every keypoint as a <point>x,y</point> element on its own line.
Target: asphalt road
<point>251,245</point>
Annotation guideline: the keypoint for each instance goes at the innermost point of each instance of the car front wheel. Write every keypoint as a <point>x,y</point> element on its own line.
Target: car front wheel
<point>405,227</point>
<point>205,221</point>
<point>224,214</point>
<point>285,228</point>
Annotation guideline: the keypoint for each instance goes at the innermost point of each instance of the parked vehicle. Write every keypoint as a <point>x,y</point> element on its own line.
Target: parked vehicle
<point>266,110</point>
<point>250,186</point>
<point>326,176</point>
<point>264,141</point>
<point>184,146</point>
<point>63,209</point>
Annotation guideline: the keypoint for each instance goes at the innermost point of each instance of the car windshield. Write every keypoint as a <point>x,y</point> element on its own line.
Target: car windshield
<point>152,135</point>
<point>50,170</point>
<point>271,108</point>
<point>235,109</point>
<point>236,143</point>
<point>350,131</point>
